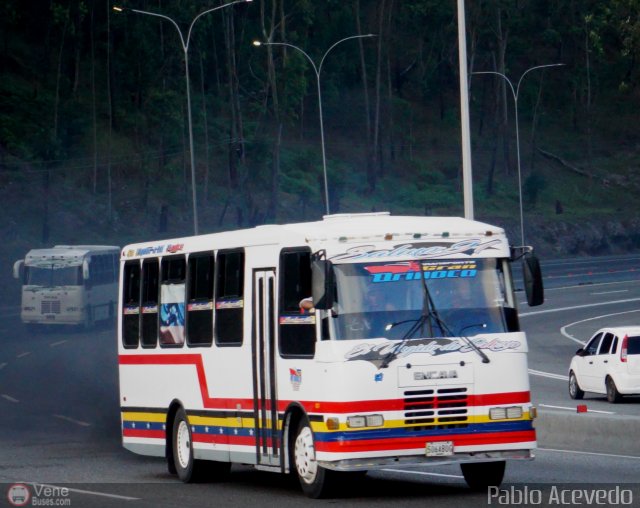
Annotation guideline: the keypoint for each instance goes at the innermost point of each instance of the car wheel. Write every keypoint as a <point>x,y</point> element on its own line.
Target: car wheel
<point>574,388</point>
<point>316,481</point>
<point>482,475</point>
<point>613,395</point>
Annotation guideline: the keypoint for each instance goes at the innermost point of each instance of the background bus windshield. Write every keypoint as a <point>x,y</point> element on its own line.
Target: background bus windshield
<point>467,297</point>
<point>53,276</point>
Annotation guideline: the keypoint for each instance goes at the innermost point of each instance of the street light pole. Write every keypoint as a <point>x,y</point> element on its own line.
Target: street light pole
<point>317,70</point>
<point>467,173</point>
<point>515,92</point>
<point>185,48</point>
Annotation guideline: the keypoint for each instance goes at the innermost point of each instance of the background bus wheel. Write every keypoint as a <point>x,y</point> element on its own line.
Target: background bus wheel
<point>574,388</point>
<point>88,319</point>
<point>481,475</point>
<point>316,481</point>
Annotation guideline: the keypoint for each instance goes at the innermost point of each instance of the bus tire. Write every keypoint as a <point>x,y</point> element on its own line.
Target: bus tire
<point>482,475</point>
<point>186,466</point>
<point>316,481</point>
<point>88,318</point>
<point>188,469</point>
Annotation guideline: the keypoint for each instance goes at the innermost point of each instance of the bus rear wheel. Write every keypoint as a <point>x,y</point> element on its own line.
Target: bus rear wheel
<point>481,475</point>
<point>316,481</point>
<point>188,469</point>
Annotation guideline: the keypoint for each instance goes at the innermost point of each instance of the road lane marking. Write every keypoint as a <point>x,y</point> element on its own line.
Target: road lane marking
<point>586,305</point>
<point>611,292</point>
<point>564,332</point>
<point>3,365</point>
<point>89,492</point>
<point>54,344</point>
<point>574,409</point>
<point>548,374</point>
<point>589,285</point>
<point>441,475</point>
<point>22,355</point>
<point>77,422</point>
<point>590,453</point>
<point>9,398</point>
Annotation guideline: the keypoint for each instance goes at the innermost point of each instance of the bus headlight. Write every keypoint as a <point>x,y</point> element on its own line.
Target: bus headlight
<point>505,413</point>
<point>359,421</point>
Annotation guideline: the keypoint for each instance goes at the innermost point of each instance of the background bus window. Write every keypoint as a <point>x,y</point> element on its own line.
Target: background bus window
<point>172,301</point>
<point>229,298</point>
<point>297,327</point>
<point>200,300</point>
<point>150,274</point>
<point>131,304</point>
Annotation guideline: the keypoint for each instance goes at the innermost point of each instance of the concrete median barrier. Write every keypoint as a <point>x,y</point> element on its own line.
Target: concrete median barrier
<point>588,432</point>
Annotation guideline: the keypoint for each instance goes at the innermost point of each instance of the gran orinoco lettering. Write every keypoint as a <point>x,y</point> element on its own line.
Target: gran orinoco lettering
<point>414,270</point>
<point>468,247</point>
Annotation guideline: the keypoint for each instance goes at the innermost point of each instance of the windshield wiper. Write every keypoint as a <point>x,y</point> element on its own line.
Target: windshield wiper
<point>429,311</point>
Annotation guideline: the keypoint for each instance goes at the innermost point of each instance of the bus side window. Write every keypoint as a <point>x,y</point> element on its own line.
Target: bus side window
<point>172,301</point>
<point>150,274</point>
<point>229,298</point>
<point>131,304</point>
<point>297,337</point>
<point>200,300</point>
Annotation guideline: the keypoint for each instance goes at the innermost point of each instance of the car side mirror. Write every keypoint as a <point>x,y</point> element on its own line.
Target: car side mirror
<point>323,284</point>
<point>532,276</point>
<point>580,352</point>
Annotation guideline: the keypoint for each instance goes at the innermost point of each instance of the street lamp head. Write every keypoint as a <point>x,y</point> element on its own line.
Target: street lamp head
<point>256,43</point>
<point>118,9</point>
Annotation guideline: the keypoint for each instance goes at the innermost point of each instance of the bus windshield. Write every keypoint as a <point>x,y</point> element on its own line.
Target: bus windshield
<point>423,299</point>
<point>53,275</point>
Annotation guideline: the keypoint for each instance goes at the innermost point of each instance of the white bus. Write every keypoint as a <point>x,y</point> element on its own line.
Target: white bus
<point>68,285</point>
<point>412,355</point>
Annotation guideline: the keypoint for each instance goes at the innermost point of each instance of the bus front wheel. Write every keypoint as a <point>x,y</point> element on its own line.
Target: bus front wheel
<point>316,481</point>
<point>481,475</point>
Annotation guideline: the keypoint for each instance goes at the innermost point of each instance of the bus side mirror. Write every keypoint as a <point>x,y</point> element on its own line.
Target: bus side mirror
<point>322,284</point>
<point>85,269</point>
<point>18,269</point>
<point>532,276</point>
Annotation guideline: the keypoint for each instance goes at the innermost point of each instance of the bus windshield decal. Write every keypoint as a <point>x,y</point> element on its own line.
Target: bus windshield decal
<point>423,250</point>
<point>375,353</point>
<point>415,271</point>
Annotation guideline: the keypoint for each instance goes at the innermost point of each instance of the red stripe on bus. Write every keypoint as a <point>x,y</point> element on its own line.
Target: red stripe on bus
<point>489,399</point>
<point>370,445</point>
<point>220,439</point>
<point>158,434</point>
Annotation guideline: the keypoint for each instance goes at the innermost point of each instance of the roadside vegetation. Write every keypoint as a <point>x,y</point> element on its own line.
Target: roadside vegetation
<point>94,143</point>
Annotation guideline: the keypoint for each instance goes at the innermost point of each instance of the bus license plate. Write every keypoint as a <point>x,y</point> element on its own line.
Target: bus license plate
<point>439,449</point>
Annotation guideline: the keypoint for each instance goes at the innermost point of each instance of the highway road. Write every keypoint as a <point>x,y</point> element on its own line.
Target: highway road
<point>59,416</point>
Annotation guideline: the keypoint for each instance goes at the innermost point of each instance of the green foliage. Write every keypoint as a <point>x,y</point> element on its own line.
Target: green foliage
<point>143,131</point>
<point>533,185</point>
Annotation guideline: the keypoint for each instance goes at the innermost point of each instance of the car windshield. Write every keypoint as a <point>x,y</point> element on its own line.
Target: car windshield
<point>422,299</point>
<point>53,275</point>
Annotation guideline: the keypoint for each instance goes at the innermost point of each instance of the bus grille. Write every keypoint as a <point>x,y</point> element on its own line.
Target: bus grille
<point>438,408</point>
<point>50,307</point>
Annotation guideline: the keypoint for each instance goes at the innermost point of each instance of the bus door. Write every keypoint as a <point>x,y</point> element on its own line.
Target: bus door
<point>264,381</point>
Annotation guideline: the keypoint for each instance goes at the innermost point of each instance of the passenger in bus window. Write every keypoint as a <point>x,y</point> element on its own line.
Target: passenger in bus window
<point>306,305</point>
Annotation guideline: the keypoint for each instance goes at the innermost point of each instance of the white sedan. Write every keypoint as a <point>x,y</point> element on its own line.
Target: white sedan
<point>609,364</point>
